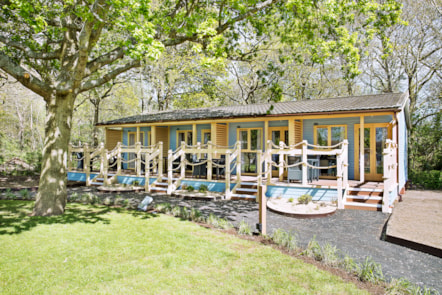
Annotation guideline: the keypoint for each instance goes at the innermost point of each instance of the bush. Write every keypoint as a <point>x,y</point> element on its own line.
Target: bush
<point>285,239</point>
<point>305,199</point>
<point>244,228</point>
<point>195,215</point>
<point>24,193</point>
<point>136,183</point>
<point>330,255</point>
<point>203,188</point>
<point>190,188</point>
<point>163,208</point>
<point>371,271</point>
<point>291,200</point>
<point>427,179</point>
<point>314,250</point>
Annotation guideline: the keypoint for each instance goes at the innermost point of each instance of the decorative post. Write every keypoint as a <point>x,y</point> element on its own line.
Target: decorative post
<point>209,160</point>
<point>118,158</point>
<point>147,158</point>
<point>160,161</point>
<point>138,158</point>
<point>228,192</point>
<point>269,161</point>
<point>262,226</point>
<point>105,160</point>
<point>169,171</point>
<point>183,160</point>
<point>281,161</point>
<point>304,162</point>
<point>86,168</point>
<point>238,162</point>
<point>339,179</point>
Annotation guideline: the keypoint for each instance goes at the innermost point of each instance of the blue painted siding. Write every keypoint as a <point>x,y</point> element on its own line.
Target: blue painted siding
<point>131,179</point>
<point>212,186</point>
<point>281,123</point>
<point>76,176</point>
<point>318,194</point>
<point>308,133</point>
<point>402,149</point>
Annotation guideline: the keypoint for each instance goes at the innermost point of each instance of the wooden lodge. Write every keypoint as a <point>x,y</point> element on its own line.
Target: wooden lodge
<point>311,147</point>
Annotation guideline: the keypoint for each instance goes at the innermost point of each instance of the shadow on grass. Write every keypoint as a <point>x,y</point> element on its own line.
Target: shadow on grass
<point>14,216</point>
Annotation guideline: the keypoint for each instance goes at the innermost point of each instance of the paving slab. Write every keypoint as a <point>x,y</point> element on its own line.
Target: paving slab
<point>417,221</point>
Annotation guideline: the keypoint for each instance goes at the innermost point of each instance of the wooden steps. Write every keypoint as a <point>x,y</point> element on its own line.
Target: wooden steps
<point>246,191</point>
<point>367,199</point>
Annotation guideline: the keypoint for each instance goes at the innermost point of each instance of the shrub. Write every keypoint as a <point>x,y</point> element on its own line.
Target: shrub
<point>371,271</point>
<point>427,179</point>
<point>330,255</point>
<point>24,193</point>
<point>291,200</point>
<point>244,228</point>
<point>163,208</point>
<point>350,265</point>
<point>190,188</point>
<point>314,250</point>
<point>9,195</point>
<point>136,183</point>
<point>305,199</point>
<point>195,215</point>
<point>184,213</point>
<point>224,224</point>
<point>176,211</point>
<point>203,188</point>
<point>108,201</point>
<point>212,220</point>
<point>285,239</point>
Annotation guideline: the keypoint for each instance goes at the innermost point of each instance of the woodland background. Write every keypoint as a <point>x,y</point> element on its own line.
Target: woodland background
<point>265,71</point>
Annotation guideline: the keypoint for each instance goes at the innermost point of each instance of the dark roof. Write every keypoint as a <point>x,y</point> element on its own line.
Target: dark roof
<point>376,102</point>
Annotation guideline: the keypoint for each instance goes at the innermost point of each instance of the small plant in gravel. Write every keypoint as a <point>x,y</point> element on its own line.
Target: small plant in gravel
<point>24,193</point>
<point>224,224</point>
<point>203,188</point>
<point>212,220</point>
<point>184,213</point>
<point>190,188</point>
<point>313,250</point>
<point>195,215</point>
<point>285,239</point>
<point>9,195</point>
<point>330,255</point>
<point>136,183</point>
<point>350,265</point>
<point>371,271</point>
<point>305,199</point>
<point>165,208</point>
<point>291,200</point>
<point>244,228</point>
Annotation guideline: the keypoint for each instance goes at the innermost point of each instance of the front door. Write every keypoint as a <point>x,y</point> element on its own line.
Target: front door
<point>251,141</point>
<point>278,134</point>
<point>375,136</point>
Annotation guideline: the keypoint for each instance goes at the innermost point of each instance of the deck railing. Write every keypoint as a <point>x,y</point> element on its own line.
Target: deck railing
<point>209,155</point>
<point>390,173</point>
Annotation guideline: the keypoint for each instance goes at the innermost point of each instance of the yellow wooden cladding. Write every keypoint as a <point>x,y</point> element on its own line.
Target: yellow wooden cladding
<point>298,131</point>
<point>112,138</point>
<point>221,135</point>
<point>163,135</point>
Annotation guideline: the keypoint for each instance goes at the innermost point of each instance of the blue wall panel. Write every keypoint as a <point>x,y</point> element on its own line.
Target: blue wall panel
<point>318,194</point>
<point>78,176</point>
<point>283,123</point>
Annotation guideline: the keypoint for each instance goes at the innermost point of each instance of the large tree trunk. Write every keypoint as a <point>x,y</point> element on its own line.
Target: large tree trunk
<point>52,194</point>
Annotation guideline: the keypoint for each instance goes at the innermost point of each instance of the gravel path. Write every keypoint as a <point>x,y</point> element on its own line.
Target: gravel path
<point>356,233</point>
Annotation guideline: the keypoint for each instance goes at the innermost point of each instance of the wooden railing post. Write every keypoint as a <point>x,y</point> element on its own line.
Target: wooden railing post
<point>304,162</point>
<point>147,158</point>
<point>118,158</point>
<point>259,170</point>
<point>86,163</point>
<point>138,158</point>
<point>227,169</point>
<point>345,163</point>
<point>238,162</point>
<point>209,161</point>
<point>281,162</point>
<point>105,163</point>
<point>339,177</point>
<point>269,161</point>
<point>183,159</point>
<point>169,172</point>
<point>160,161</point>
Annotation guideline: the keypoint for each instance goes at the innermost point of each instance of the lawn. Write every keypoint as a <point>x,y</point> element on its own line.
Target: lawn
<point>92,250</point>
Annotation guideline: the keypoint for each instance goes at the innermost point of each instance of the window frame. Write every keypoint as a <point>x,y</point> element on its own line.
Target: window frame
<point>329,132</point>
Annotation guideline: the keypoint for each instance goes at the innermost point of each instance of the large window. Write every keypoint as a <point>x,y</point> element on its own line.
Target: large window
<point>185,135</point>
<point>330,135</point>
<point>251,140</point>
<point>206,135</point>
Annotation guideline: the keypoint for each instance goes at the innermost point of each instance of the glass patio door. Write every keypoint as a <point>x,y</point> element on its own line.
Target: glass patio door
<point>131,142</point>
<point>251,141</point>
<point>277,135</point>
<point>375,136</point>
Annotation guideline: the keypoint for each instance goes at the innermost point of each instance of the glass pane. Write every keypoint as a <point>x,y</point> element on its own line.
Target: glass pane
<point>322,136</point>
<point>248,162</point>
<point>142,138</point>
<point>207,137</point>
<point>243,136</point>
<point>131,139</point>
<point>189,138</point>
<point>180,138</point>
<point>255,137</point>
<point>338,135</point>
<point>286,137</point>
<point>276,137</point>
<point>367,150</point>
<point>381,137</point>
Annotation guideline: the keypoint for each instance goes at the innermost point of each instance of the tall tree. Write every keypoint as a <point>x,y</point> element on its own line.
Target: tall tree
<point>60,49</point>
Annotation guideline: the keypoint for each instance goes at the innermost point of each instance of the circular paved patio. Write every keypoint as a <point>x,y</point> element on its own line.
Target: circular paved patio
<point>355,233</point>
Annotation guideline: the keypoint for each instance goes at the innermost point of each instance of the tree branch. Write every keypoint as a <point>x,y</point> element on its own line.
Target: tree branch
<point>24,77</point>
<point>109,76</point>
<point>28,52</point>
<point>103,60</point>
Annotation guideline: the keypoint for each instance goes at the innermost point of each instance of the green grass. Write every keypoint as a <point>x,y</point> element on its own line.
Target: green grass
<point>98,250</point>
